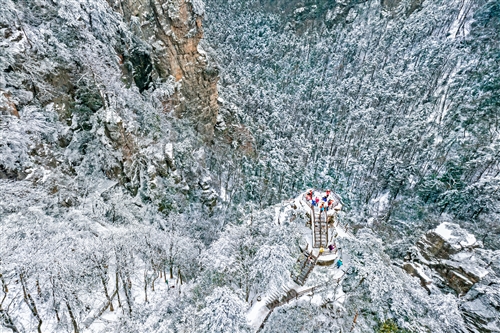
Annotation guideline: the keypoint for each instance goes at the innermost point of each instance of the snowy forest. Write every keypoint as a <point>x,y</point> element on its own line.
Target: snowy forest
<point>250,166</point>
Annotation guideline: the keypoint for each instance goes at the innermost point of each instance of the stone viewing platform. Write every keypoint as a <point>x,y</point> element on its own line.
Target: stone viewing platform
<point>322,208</point>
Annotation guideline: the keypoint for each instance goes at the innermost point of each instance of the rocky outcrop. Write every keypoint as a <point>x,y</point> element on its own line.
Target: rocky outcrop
<point>208,194</point>
<point>446,240</point>
<point>99,88</point>
<point>449,257</point>
<point>449,251</point>
<point>481,306</point>
<point>167,45</point>
<point>7,107</point>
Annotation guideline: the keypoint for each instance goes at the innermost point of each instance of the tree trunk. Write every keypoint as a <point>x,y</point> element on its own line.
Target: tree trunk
<point>6,318</point>
<point>31,303</point>
<point>280,188</point>
<point>4,285</point>
<point>145,286</point>
<point>7,321</point>
<point>180,276</point>
<point>54,305</point>
<point>72,316</point>
<point>155,276</point>
<point>476,214</point>
<point>117,283</point>
<point>127,294</point>
<point>38,289</point>
<point>103,280</point>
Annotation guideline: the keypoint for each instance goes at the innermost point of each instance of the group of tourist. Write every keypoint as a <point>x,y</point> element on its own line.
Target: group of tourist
<point>331,247</point>
<point>324,204</point>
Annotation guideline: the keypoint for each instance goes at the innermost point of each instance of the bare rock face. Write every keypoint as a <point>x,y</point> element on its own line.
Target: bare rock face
<point>447,239</point>
<point>172,29</point>
<point>449,251</point>
<point>450,257</point>
<point>7,107</point>
<point>107,73</point>
<point>208,194</point>
<point>481,306</point>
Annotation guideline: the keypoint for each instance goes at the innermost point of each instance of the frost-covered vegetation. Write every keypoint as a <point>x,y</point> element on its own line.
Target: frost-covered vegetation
<point>96,204</point>
<point>129,204</point>
<point>391,100</point>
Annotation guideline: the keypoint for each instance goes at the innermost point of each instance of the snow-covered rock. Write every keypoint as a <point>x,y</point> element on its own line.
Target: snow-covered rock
<point>449,251</point>
<point>169,155</point>
<point>449,256</point>
<point>446,240</point>
<point>208,195</point>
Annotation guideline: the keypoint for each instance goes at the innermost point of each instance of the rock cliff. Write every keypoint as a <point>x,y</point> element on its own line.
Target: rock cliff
<point>53,48</point>
<point>450,257</point>
<point>169,32</point>
<point>106,77</point>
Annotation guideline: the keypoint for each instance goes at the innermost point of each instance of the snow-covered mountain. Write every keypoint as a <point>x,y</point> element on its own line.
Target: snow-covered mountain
<point>149,151</point>
<point>394,100</point>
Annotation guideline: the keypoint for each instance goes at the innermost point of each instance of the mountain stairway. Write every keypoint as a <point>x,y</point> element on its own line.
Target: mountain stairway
<point>318,222</point>
<point>303,267</point>
<point>320,227</point>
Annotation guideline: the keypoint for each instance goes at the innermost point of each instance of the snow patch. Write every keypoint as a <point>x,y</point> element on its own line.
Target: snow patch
<point>169,151</point>
<point>198,7</point>
<point>257,314</point>
<point>460,24</point>
<point>112,117</point>
<point>299,10</point>
<point>454,235</point>
<point>381,202</point>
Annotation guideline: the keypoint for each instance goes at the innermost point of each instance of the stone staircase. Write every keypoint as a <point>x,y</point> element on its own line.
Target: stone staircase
<point>303,267</point>
<point>320,227</point>
<point>278,298</point>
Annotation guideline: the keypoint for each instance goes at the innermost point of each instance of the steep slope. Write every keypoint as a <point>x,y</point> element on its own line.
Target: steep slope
<point>392,103</point>
<point>106,111</point>
<point>172,30</point>
<point>129,203</point>
<point>448,257</point>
